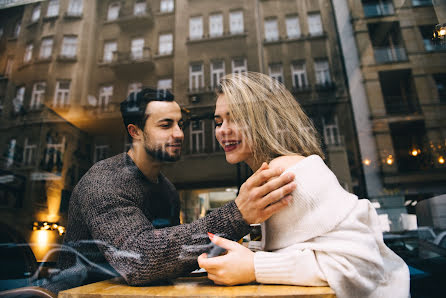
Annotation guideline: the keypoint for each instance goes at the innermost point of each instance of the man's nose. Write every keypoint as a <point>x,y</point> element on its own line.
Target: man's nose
<point>178,132</point>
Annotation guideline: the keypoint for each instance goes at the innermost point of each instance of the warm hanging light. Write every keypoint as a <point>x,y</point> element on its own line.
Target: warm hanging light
<point>441,160</point>
<point>389,160</point>
<point>367,162</point>
<point>48,226</point>
<point>415,152</point>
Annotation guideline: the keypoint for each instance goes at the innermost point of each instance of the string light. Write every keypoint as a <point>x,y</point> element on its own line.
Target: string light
<point>48,226</point>
<point>415,152</point>
<point>367,162</point>
<point>389,160</point>
<point>441,160</point>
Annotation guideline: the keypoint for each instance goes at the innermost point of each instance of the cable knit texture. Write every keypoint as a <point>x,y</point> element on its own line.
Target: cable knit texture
<point>115,205</point>
<point>329,237</point>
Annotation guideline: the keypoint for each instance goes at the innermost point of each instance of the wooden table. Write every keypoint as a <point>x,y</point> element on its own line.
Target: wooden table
<point>193,287</point>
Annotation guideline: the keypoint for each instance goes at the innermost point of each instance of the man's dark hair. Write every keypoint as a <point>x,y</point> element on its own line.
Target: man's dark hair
<point>133,108</point>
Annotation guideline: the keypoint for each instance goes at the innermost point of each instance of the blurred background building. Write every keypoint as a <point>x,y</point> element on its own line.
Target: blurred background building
<point>367,72</point>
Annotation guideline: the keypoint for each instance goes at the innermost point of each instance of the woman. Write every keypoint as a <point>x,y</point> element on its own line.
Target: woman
<point>326,236</point>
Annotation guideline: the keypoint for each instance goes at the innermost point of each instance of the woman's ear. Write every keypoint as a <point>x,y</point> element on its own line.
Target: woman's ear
<point>134,131</point>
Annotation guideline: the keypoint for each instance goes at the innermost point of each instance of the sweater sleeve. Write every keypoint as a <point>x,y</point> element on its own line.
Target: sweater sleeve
<point>142,254</point>
<point>293,267</point>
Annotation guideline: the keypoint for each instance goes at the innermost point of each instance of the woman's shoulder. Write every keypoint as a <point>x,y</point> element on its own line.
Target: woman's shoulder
<point>288,161</point>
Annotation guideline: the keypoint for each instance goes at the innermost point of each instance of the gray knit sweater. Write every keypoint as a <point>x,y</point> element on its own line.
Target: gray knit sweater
<point>115,205</point>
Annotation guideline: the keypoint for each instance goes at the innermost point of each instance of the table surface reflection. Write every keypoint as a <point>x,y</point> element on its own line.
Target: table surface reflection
<point>192,287</point>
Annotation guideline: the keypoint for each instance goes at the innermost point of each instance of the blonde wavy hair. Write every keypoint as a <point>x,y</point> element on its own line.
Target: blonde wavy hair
<point>269,117</point>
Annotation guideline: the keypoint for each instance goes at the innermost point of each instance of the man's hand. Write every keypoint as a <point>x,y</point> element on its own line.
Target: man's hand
<point>264,193</point>
<point>235,267</point>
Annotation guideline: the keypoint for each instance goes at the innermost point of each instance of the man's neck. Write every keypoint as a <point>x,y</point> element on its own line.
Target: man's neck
<point>145,163</point>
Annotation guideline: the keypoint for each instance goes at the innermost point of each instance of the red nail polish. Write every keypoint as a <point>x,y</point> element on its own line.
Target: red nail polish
<point>211,236</point>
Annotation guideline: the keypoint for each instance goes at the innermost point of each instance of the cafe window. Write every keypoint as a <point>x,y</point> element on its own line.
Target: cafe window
<point>196,27</point>
<point>105,96</point>
<point>75,7</point>
<point>62,94</point>
<point>216,25</point>
<point>271,30</point>
<point>196,77</point>
<point>113,11</point>
<point>314,24</point>
<point>53,8</point>
<point>276,72</point>
<point>166,5</point>
<point>137,48</point>
<point>299,75</point>
<point>35,14</point>
<point>38,95</point>
<point>28,53</point>
<point>140,8</point>
<point>292,27</point>
<point>46,48</point>
<point>236,22</point>
<point>239,65</point>
<point>69,47</point>
<point>165,44</point>
<point>217,72</point>
<point>110,48</point>
<point>197,137</point>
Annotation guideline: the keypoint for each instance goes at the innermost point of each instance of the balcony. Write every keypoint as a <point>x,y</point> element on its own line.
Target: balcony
<point>129,21</point>
<point>128,62</point>
<point>378,9</point>
<point>401,105</point>
<point>389,54</point>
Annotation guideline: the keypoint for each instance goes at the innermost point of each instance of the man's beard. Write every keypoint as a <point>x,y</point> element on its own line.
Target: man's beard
<point>161,155</point>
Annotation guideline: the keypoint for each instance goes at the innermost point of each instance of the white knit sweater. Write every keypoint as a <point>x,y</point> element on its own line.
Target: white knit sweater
<point>328,236</point>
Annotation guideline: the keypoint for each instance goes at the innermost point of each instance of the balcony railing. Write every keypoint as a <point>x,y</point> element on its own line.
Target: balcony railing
<point>378,9</point>
<point>132,57</point>
<point>401,105</point>
<point>390,54</point>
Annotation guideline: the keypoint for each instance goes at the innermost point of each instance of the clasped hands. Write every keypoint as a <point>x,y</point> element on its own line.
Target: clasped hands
<point>262,195</point>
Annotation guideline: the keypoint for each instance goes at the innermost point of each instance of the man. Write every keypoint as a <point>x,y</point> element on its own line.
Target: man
<point>130,211</point>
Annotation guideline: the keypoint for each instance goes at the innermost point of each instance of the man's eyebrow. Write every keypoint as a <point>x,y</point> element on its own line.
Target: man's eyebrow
<point>166,120</point>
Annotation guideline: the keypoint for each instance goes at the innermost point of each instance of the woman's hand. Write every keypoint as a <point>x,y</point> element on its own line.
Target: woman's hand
<point>235,267</point>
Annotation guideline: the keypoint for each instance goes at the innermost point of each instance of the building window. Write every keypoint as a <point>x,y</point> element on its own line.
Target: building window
<point>292,27</point>
<point>299,74</point>
<point>29,153</point>
<point>28,53</point>
<point>54,155</point>
<point>387,42</point>
<point>105,96</point>
<point>165,84</point>
<point>75,8</point>
<point>440,82</point>
<point>271,30</point>
<point>166,5</point>
<point>217,72</point>
<point>17,30</point>
<point>35,14</point>
<point>196,77</point>
<point>421,2</point>
<point>322,71</point>
<point>216,25</point>
<point>46,48</point>
<point>110,48</point>
<point>69,47</point>
<point>239,65</point>
<point>37,95</point>
<point>100,152</point>
<point>18,100</point>
<point>10,153</point>
<point>62,94</point>
<point>236,22</point>
<point>331,132</point>
<point>215,144</point>
<point>137,48</point>
<point>315,24</point>
<point>196,28</point>
<point>375,8</point>
<point>165,44</point>
<point>140,8</point>
<point>8,67</point>
<point>1,32</point>
<point>53,8</point>
<point>276,72</point>
<point>197,137</point>
<point>113,11</point>
<point>134,87</point>
<point>429,44</point>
